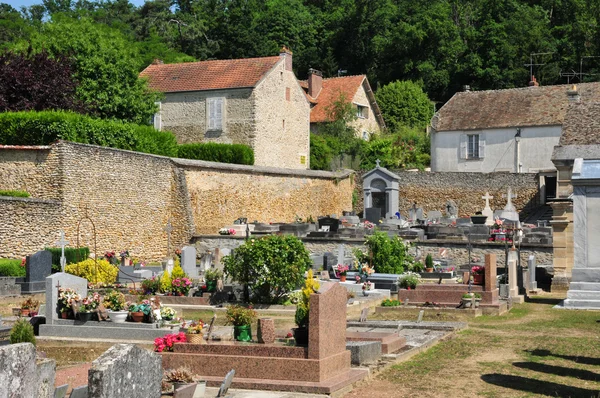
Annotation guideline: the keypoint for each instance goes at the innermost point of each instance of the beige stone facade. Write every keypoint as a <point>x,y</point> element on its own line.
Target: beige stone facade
<point>131,196</point>
<point>366,123</point>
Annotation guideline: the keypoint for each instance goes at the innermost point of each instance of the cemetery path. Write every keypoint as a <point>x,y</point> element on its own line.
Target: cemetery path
<point>74,376</point>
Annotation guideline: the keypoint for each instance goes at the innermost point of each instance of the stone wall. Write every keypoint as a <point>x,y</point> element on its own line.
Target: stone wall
<point>431,190</point>
<point>31,169</point>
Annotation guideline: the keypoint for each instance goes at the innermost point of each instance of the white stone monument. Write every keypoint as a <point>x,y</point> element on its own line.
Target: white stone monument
<point>188,261</point>
<point>513,286</point>
<point>510,212</point>
<point>62,242</point>
<point>487,210</point>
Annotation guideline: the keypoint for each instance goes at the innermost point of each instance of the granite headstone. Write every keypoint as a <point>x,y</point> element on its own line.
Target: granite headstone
<point>63,280</point>
<point>188,261</point>
<point>38,267</point>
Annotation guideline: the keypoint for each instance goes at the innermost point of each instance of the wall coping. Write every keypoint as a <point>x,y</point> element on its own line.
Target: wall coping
<point>202,164</point>
<point>26,147</point>
<point>30,200</point>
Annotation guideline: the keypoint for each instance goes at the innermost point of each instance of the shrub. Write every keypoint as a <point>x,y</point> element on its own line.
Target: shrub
<point>10,267</point>
<point>72,254</point>
<point>16,194</point>
<point>390,303</point>
<point>429,261</point>
<point>271,267</point>
<point>303,307</point>
<point>389,255</point>
<point>42,128</point>
<point>178,272</point>
<point>151,286</point>
<point>240,316</point>
<point>409,280</point>
<point>106,273</point>
<point>165,282</point>
<point>213,152</point>
<point>22,332</point>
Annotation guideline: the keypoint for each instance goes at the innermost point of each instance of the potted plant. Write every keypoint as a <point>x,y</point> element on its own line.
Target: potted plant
<point>342,271</point>
<point>478,218</point>
<point>301,317</point>
<point>167,313</point>
<point>137,312</point>
<point>29,307</point>
<point>124,258</point>
<point>87,306</point>
<point>151,286</point>
<point>366,286</point>
<point>409,280</point>
<point>66,298</point>
<point>211,276</point>
<point>478,273</point>
<point>469,298</point>
<point>429,263</point>
<point>181,286</point>
<point>241,318</point>
<point>179,377</point>
<point>114,301</point>
<point>194,332</point>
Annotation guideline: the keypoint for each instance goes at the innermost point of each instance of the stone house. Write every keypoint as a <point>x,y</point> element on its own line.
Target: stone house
<point>512,130</point>
<point>253,101</point>
<point>323,93</point>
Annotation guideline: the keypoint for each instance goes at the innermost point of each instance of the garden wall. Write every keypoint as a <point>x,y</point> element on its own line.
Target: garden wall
<point>431,190</point>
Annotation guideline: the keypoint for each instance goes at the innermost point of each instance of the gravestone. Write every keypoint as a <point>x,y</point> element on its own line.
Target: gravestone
<point>332,223</point>
<point>510,212</point>
<point>45,377</point>
<point>487,210</point>
<point>62,242</point>
<point>434,215</point>
<point>451,209</point>
<point>373,214</point>
<point>63,280</point>
<point>188,261</point>
<point>206,261</point>
<point>226,383</point>
<point>18,370</point>
<point>531,268</point>
<point>126,370</point>
<point>38,267</point>
<point>61,391</point>
<point>79,392</point>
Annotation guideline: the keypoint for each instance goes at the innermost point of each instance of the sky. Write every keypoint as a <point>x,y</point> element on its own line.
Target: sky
<point>20,3</point>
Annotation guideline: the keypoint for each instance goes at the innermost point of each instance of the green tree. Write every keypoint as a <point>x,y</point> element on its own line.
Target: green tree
<point>403,103</point>
<point>106,65</point>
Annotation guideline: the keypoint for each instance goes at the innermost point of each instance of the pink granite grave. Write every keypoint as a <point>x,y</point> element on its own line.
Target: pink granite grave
<point>323,367</point>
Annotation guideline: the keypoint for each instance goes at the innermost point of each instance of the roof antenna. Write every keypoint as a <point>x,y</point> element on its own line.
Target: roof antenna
<point>531,64</point>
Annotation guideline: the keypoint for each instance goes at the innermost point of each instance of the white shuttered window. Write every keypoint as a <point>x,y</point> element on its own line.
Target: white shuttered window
<point>215,113</point>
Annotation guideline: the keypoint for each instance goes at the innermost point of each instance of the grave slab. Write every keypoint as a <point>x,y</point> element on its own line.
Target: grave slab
<point>364,352</point>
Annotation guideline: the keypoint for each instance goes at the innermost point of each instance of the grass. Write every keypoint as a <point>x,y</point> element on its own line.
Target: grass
<point>16,194</point>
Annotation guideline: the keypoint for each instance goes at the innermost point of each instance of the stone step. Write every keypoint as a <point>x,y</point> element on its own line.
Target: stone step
<point>95,332</point>
<point>581,304</point>
<point>585,286</point>
<point>104,324</point>
<point>390,342</point>
<point>583,295</point>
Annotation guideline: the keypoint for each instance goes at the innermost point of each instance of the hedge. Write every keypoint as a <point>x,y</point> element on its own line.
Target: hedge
<point>43,128</point>
<point>17,194</point>
<point>213,152</point>
<point>10,267</point>
<point>72,254</point>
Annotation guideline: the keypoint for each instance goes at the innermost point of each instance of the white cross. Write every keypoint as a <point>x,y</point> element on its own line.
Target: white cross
<point>377,161</point>
<point>62,242</point>
<point>510,196</point>
<point>487,198</point>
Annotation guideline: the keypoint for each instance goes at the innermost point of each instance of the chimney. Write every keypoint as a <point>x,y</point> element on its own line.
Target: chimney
<point>315,82</point>
<point>573,94</point>
<point>286,54</point>
<point>157,61</point>
<point>466,88</point>
<point>533,82</point>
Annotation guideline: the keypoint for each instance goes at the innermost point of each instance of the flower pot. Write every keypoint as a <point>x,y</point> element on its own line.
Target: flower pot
<point>85,316</point>
<point>24,311</point>
<point>342,278</point>
<point>478,279</point>
<point>477,302</point>
<point>242,333</point>
<point>211,286</point>
<point>428,269</point>
<point>136,316</point>
<point>467,303</point>
<point>194,338</point>
<point>117,316</point>
<point>478,219</point>
<point>301,336</point>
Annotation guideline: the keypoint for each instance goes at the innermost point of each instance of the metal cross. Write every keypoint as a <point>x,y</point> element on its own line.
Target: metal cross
<point>487,198</point>
<point>168,229</point>
<point>377,161</point>
<point>62,242</point>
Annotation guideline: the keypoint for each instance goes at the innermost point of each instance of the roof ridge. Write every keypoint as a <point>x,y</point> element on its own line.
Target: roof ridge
<point>344,77</point>
<point>555,86</point>
<point>215,60</point>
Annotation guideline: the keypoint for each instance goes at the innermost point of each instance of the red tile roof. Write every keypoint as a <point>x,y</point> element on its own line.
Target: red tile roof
<point>516,107</point>
<point>208,75</point>
<point>330,92</point>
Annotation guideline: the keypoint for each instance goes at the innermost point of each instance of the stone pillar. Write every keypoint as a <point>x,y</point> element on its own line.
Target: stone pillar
<point>562,237</point>
<point>513,288</point>
<point>266,331</point>
<point>490,272</point>
<point>532,283</point>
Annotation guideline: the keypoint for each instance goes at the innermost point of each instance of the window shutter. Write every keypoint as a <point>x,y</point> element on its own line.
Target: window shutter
<point>210,102</point>
<point>481,146</point>
<point>463,146</point>
<point>218,113</point>
<point>157,119</point>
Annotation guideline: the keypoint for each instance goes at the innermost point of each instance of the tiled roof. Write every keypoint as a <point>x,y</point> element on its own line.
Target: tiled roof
<point>208,75</point>
<point>330,92</point>
<point>517,107</point>
<point>582,124</point>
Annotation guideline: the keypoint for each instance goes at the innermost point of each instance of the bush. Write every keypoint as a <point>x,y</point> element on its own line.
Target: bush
<point>409,280</point>
<point>390,255</point>
<point>16,194</point>
<point>43,128</point>
<point>213,152</point>
<point>165,282</point>
<point>390,303</point>
<point>240,316</point>
<point>303,307</point>
<point>10,267</point>
<point>72,254</point>
<point>271,267</point>
<point>22,332</point>
<point>107,273</point>
<point>178,272</point>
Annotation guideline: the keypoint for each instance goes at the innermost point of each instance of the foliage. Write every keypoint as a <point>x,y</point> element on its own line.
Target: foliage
<point>16,194</point>
<point>240,316</point>
<point>390,303</point>
<point>43,128</point>
<point>89,303</point>
<point>214,152</point>
<point>151,286</point>
<point>389,255</point>
<point>37,82</point>
<point>114,300</point>
<point>271,267</point>
<point>416,267</point>
<point>144,306</point>
<point>181,286</point>
<point>22,332</point>
<point>213,274</point>
<point>105,272</point>
<point>167,313</point>
<point>409,280</point>
<point>166,344</point>
<point>66,298</point>
<point>178,272</point>
<point>471,295</point>
<point>428,261</point>
<point>165,282</point>
<point>195,327</point>
<point>30,304</point>
<point>72,254</point>
<point>404,104</point>
<point>10,267</point>
<point>311,286</point>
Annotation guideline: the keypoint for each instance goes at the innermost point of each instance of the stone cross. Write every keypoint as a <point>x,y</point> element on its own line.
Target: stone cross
<point>487,211</point>
<point>62,242</point>
<point>377,161</point>
<point>168,229</point>
<point>510,196</point>
<point>487,198</point>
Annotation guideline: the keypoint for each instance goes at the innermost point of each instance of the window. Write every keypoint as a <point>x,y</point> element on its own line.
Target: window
<point>365,135</point>
<point>156,120</point>
<point>214,113</point>
<point>287,94</point>
<point>362,111</point>
<point>473,146</point>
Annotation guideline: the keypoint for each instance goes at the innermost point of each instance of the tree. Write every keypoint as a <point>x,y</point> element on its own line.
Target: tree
<point>403,103</point>
<point>106,65</point>
<point>37,82</point>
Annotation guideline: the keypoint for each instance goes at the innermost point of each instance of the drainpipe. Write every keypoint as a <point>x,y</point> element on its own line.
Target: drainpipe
<point>518,164</point>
